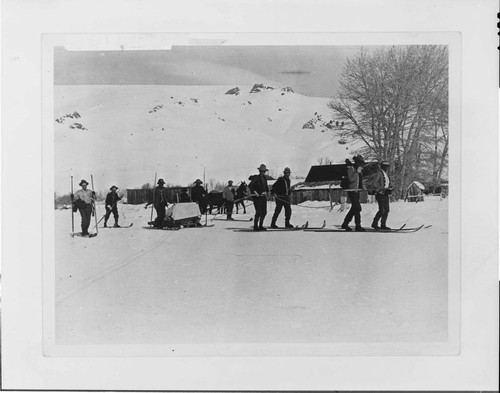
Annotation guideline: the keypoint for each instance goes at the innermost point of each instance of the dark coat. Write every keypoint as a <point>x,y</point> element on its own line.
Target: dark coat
<point>184,197</point>
<point>198,193</point>
<point>160,196</point>
<point>281,187</point>
<point>259,184</point>
<point>112,198</point>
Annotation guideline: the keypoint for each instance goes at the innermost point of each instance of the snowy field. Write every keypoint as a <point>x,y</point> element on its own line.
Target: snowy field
<point>215,285</point>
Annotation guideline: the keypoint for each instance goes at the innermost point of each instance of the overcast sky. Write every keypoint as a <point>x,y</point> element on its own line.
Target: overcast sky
<point>308,70</point>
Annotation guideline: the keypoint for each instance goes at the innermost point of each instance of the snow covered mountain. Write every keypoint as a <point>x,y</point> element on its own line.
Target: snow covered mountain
<point>124,134</point>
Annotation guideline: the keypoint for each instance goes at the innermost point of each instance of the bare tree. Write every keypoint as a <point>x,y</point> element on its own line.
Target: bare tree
<point>324,161</point>
<point>392,99</point>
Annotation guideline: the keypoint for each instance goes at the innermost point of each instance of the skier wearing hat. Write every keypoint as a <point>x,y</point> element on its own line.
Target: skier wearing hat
<point>111,206</point>
<point>198,195</point>
<point>383,189</point>
<point>283,195</point>
<point>83,200</point>
<point>355,184</point>
<point>228,195</point>
<point>259,190</point>
<point>160,203</point>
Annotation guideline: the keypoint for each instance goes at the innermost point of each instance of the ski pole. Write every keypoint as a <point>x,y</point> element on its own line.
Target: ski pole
<point>206,196</point>
<point>72,212</point>
<point>98,222</point>
<point>153,202</point>
<point>93,204</point>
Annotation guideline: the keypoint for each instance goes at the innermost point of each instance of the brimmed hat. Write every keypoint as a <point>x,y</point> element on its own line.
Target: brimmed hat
<point>111,188</point>
<point>83,182</point>
<point>160,181</point>
<point>359,160</point>
<point>198,181</point>
<point>229,181</point>
<point>262,167</point>
<point>287,170</point>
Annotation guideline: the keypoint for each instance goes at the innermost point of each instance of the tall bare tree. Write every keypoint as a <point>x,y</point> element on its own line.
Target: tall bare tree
<point>393,100</point>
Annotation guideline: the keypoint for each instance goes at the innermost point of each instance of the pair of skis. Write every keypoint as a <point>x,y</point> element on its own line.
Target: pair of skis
<point>234,219</point>
<point>295,228</point>
<point>118,227</point>
<point>402,229</point>
<point>175,228</point>
<point>322,228</point>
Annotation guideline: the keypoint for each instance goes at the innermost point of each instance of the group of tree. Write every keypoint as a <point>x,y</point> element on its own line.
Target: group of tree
<point>395,100</point>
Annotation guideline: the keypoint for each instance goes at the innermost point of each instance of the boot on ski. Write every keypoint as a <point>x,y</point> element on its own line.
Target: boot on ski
<point>346,227</point>
<point>255,225</point>
<point>261,225</point>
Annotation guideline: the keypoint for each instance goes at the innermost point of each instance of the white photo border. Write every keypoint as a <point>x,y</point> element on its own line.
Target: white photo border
<point>23,364</point>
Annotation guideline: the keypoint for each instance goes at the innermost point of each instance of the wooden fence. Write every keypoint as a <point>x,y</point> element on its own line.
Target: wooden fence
<point>138,196</point>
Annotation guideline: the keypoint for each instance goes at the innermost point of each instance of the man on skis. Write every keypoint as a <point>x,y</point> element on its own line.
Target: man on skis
<point>199,195</point>
<point>160,203</point>
<point>383,188</point>
<point>259,190</point>
<point>355,185</point>
<point>84,200</point>
<point>111,206</point>
<point>228,195</point>
<point>283,196</point>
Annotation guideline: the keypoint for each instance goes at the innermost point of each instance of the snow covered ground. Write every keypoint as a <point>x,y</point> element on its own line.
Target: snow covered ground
<point>215,285</point>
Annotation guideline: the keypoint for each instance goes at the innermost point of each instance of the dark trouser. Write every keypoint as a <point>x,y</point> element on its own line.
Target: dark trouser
<point>383,209</point>
<point>202,205</point>
<point>260,204</point>
<point>113,210</point>
<point>229,208</point>
<point>282,202</point>
<point>160,214</point>
<point>86,213</point>
<point>355,210</point>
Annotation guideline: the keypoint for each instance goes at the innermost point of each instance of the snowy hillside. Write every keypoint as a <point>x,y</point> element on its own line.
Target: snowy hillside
<point>124,134</point>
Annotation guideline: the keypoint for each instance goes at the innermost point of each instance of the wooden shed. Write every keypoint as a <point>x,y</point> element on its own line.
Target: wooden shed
<point>414,192</point>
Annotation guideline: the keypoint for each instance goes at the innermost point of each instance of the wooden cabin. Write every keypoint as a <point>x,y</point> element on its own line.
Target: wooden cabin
<point>323,184</point>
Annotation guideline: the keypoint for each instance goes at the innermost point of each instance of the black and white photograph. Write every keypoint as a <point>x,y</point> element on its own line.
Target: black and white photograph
<point>249,196</point>
<point>266,194</point>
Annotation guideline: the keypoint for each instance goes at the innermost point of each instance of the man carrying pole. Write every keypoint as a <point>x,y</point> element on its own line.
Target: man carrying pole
<point>282,193</point>
<point>111,206</point>
<point>83,200</point>
<point>383,189</point>
<point>259,189</point>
